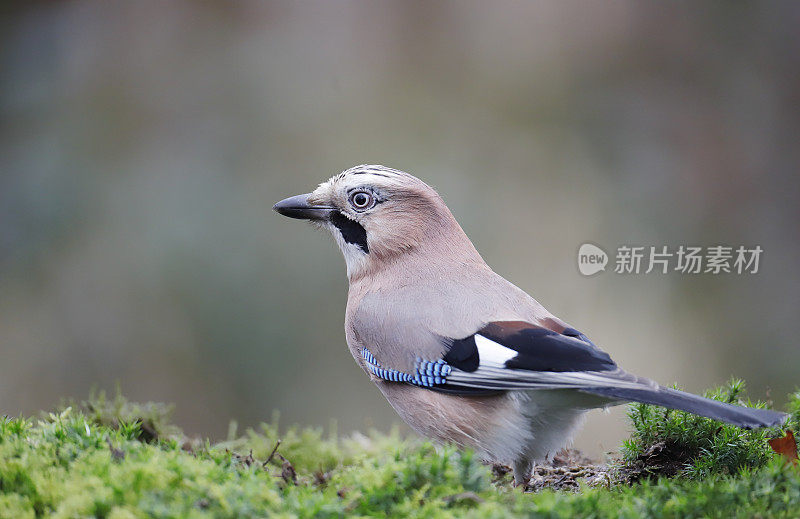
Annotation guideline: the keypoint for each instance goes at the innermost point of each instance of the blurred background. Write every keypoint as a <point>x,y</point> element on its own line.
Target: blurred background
<point>142,145</point>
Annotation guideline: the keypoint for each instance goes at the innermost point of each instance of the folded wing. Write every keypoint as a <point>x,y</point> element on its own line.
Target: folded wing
<point>515,355</point>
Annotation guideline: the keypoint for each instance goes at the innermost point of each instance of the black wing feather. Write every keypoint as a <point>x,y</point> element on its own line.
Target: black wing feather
<point>463,354</point>
<point>540,349</point>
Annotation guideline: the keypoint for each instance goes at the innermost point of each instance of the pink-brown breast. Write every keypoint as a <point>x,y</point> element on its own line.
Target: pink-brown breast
<point>489,424</point>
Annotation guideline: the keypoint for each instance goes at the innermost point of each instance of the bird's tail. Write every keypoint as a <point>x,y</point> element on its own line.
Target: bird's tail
<point>745,417</point>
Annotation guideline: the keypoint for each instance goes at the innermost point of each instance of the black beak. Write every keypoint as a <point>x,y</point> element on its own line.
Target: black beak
<point>298,207</point>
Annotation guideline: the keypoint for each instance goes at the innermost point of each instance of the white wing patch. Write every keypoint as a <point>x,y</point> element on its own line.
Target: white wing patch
<point>491,353</point>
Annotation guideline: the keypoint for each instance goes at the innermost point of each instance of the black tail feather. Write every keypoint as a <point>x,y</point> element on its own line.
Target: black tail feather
<point>745,417</point>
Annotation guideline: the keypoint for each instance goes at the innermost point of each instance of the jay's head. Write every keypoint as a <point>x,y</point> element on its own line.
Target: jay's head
<point>379,215</point>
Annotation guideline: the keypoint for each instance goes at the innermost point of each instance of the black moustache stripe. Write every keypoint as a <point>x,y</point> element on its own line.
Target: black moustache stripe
<point>352,231</point>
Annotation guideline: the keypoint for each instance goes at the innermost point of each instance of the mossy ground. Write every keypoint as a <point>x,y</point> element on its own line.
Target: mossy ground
<point>111,458</point>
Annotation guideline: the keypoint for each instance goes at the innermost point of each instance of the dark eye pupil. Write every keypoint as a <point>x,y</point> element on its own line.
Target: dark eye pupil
<point>361,199</point>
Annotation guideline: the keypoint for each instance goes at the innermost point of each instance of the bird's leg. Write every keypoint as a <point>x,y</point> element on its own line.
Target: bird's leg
<point>522,472</point>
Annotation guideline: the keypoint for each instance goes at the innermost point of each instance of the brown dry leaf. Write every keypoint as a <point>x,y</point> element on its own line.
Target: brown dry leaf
<point>786,446</point>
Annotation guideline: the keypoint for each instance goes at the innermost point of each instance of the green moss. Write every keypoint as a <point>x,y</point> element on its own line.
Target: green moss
<point>793,408</point>
<point>668,442</point>
<point>152,419</point>
<point>95,462</point>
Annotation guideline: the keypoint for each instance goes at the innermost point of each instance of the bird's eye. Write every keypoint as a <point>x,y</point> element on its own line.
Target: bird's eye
<point>361,200</point>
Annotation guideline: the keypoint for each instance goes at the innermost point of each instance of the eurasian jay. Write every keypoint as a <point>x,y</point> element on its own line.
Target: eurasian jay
<point>460,353</point>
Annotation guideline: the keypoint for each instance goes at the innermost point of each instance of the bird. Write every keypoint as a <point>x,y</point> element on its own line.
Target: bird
<point>461,354</point>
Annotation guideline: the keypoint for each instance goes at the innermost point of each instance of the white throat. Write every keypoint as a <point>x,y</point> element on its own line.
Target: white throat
<point>354,257</point>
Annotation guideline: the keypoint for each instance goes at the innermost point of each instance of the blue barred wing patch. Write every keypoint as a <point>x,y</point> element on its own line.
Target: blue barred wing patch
<point>426,373</point>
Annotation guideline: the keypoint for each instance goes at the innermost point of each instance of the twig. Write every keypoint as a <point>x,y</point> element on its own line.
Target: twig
<point>272,454</point>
